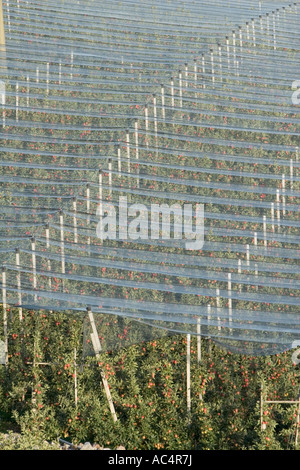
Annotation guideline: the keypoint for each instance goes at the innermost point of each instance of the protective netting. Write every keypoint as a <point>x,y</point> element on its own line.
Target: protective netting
<point>126,106</point>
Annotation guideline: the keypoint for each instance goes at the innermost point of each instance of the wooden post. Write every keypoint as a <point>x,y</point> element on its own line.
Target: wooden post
<point>188,373</point>
<point>17,251</point>
<point>97,349</point>
<point>4,307</point>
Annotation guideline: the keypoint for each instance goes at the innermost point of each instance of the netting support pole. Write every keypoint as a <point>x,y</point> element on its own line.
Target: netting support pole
<point>218,307</point>
<point>172,93</point>
<point>198,340</point>
<point>75,378</point>
<point>220,61</point>
<point>180,87</point>
<point>265,231</point>
<point>119,160</point>
<point>228,53</point>
<point>128,150</point>
<point>47,229</point>
<point>212,66</point>
<point>195,76</point>
<point>62,241</point>
<point>28,91</point>
<point>146,124</point>
<point>241,41</point>
<point>188,373</point>
<point>278,209</point>
<point>234,50</point>
<point>229,300</point>
<point>59,72</point>
<point>203,71</point>
<point>4,307</point>
<point>33,257</point>
<point>291,174</point>
<point>297,425</point>
<point>136,132</point>
<point>186,72</point>
<point>283,194</point>
<point>109,177</point>
<point>256,274</point>
<point>240,272</point>
<point>74,201</point>
<point>17,102</point>
<point>273,216</point>
<point>2,38</point>
<point>97,349</point>
<point>17,251</point>
<point>163,111</point>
